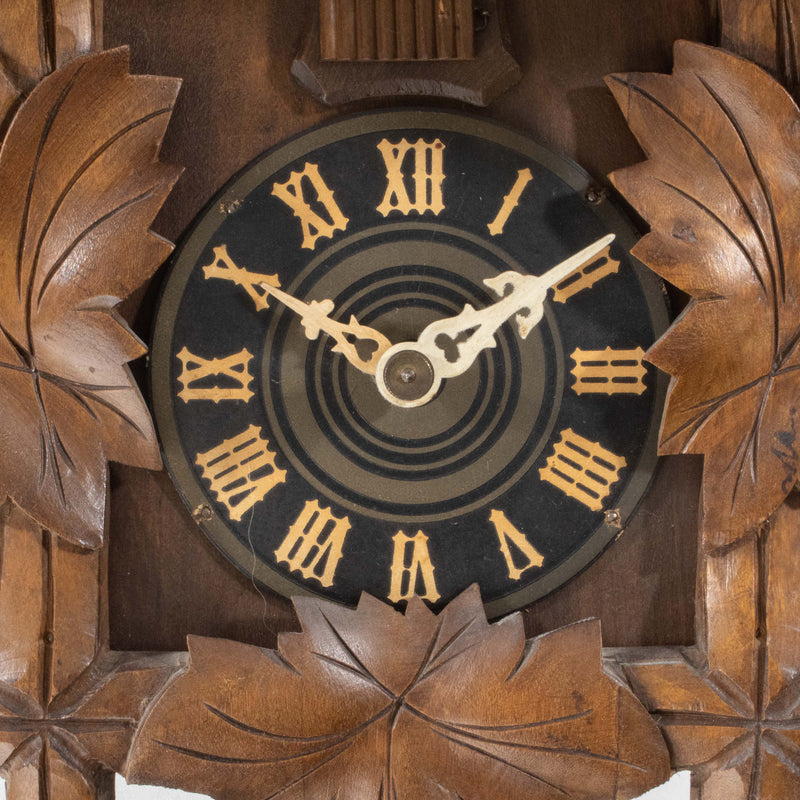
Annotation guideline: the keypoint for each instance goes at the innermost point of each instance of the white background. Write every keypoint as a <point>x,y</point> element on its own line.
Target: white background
<point>676,789</point>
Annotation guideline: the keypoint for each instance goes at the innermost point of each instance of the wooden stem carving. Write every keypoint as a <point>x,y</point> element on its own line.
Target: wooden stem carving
<point>35,41</point>
<point>79,171</point>
<point>731,711</point>
<point>68,706</point>
<point>765,33</point>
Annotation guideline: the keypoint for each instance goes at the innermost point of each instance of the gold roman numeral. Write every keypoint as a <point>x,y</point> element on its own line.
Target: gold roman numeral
<point>234,368</point>
<point>313,225</point>
<point>224,268</point>
<point>583,470</point>
<point>412,570</point>
<point>241,471</point>
<point>510,202</point>
<point>519,553</point>
<point>608,371</point>
<point>313,546</point>
<point>586,276</point>
<point>426,180</point>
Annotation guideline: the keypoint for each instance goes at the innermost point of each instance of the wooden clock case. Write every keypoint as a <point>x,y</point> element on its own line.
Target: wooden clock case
<point>160,580</point>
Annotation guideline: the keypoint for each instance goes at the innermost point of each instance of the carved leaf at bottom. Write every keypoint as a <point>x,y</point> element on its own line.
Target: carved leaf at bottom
<point>370,703</point>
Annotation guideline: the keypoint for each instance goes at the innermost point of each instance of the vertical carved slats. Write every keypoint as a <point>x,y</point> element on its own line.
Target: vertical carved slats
<point>445,27</point>
<point>346,29</point>
<point>463,29</point>
<point>426,30</point>
<point>404,30</point>
<point>385,39</point>
<point>366,29</point>
<point>327,28</point>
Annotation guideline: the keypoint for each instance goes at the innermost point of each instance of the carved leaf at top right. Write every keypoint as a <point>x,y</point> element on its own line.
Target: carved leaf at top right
<point>721,192</point>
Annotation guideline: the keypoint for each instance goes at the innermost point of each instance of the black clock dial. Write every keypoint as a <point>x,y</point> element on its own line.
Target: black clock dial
<point>403,353</point>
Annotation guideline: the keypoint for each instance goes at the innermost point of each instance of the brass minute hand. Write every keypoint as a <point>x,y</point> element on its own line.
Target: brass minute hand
<point>453,344</point>
<point>361,345</point>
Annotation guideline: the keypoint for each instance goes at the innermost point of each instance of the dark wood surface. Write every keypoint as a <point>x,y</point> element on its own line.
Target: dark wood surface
<point>239,99</point>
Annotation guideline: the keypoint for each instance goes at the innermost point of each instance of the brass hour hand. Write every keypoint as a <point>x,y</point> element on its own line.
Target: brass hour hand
<point>361,345</point>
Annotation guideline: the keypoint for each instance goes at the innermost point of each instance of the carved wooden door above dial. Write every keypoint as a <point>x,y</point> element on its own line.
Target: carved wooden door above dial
<point>403,353</point>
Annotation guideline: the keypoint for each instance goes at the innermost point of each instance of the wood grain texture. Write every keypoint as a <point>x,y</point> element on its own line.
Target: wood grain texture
<point>367,699</point>
<point>730,709</point>
<point>74,242</point>
<point>432,38</point>
<point>386,30</point>
<point>68,707</point>
<point>719,192</point>
<point>37,37</point>
<point>766,33</point>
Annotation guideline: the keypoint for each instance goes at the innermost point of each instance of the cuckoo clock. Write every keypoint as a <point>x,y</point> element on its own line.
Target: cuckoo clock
<point>472,375</point>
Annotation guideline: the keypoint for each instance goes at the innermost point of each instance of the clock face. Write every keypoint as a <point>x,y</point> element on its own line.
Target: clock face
<point>403,353</point>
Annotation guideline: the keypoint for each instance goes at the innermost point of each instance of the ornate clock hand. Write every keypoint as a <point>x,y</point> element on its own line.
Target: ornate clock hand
<point>361,345</point>
<point>448,347</point>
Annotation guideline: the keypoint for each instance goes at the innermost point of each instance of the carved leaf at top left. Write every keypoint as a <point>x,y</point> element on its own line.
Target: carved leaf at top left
<point>81,183</point>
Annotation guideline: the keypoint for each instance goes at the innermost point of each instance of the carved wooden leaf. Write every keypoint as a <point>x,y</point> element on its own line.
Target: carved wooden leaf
<point>720,191</point>
<point>368,703</point>
<point>81,182</point>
